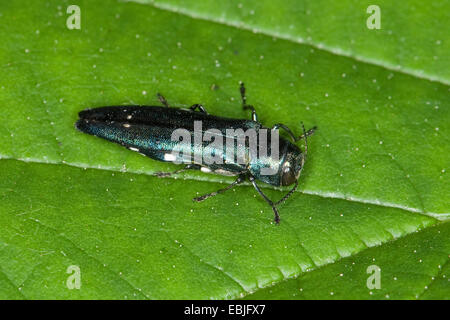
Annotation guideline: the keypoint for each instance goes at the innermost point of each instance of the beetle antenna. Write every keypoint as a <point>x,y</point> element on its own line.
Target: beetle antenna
<point>305,136</point>
<point>310,132</point>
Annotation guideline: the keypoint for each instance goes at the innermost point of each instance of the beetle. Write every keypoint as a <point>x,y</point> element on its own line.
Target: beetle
<point>149,131</point>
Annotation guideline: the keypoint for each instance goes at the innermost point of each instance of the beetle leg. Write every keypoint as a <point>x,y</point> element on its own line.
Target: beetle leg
<point>199,107</point>
<point>162,99</point>
<point>246,106</point>
<point>291,134</point>
<point>282,126</point>
<point>270,202</point>
<point>168,174</point>
<point>287,195</point>
<point>240,179</point>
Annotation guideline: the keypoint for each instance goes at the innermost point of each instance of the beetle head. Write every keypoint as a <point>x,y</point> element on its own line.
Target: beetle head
<point>292,165</point>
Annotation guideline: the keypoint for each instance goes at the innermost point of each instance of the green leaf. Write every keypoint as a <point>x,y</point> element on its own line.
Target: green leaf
<point>413,38</point>
<point>420,270</point>
<point>375,184</point>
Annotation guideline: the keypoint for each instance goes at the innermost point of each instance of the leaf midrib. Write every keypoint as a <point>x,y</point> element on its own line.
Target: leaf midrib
<point>437,216</point>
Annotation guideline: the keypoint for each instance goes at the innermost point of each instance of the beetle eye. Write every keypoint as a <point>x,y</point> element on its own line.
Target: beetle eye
<point>288,177</point>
